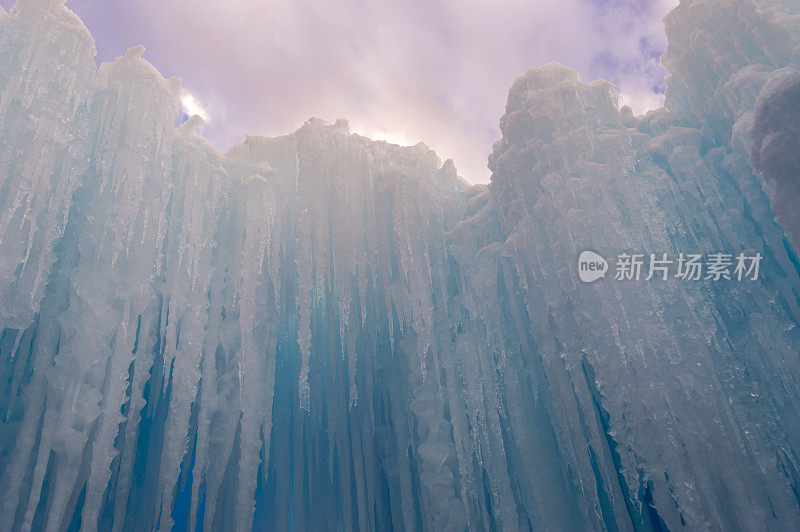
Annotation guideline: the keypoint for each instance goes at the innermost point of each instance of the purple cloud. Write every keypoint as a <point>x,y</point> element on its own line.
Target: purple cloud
<point>403,71</point>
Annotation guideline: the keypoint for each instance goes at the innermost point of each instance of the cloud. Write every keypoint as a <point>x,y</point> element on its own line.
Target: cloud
<point>192,106</point>
<point>414,71</point>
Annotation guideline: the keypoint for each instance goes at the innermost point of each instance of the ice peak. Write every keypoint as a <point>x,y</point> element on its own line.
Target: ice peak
<point>191,126</point>
<point>316,122</point>
<point>135,51</point>
<point>318,126</point>
<point>555,78</point>
<point>342,124</point>
<point>448,172</point>
<point>42,4</point>
<point>51,14</point>
<point>551,100</point>
<point>133,67</point>
<point>547,76</point>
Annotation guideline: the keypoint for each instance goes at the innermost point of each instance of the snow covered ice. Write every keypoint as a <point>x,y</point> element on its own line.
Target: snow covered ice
<point>318,331</point>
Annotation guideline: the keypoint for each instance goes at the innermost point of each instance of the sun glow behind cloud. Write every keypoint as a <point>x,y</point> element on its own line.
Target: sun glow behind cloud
<point>641,101</point>
<point>406,72</point>
<point>395,136</point>
<point>192,106</point>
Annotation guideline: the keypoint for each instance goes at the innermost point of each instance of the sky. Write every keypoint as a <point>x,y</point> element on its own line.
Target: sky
<point>402,71</point>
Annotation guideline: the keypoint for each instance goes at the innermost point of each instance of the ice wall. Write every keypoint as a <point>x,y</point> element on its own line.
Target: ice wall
<point>46,85</point>
<point>661,386</point>
<point>318,331</point>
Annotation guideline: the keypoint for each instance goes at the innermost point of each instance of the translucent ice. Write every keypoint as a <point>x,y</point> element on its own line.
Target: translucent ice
<point>319,331</point>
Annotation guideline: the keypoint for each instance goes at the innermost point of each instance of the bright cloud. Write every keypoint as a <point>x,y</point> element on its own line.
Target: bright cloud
<point>192,106</point>
<point>436,72</point>
<point>641,101</point>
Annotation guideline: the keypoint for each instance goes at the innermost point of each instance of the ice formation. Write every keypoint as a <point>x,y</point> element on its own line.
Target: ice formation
<point>318,331</point>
